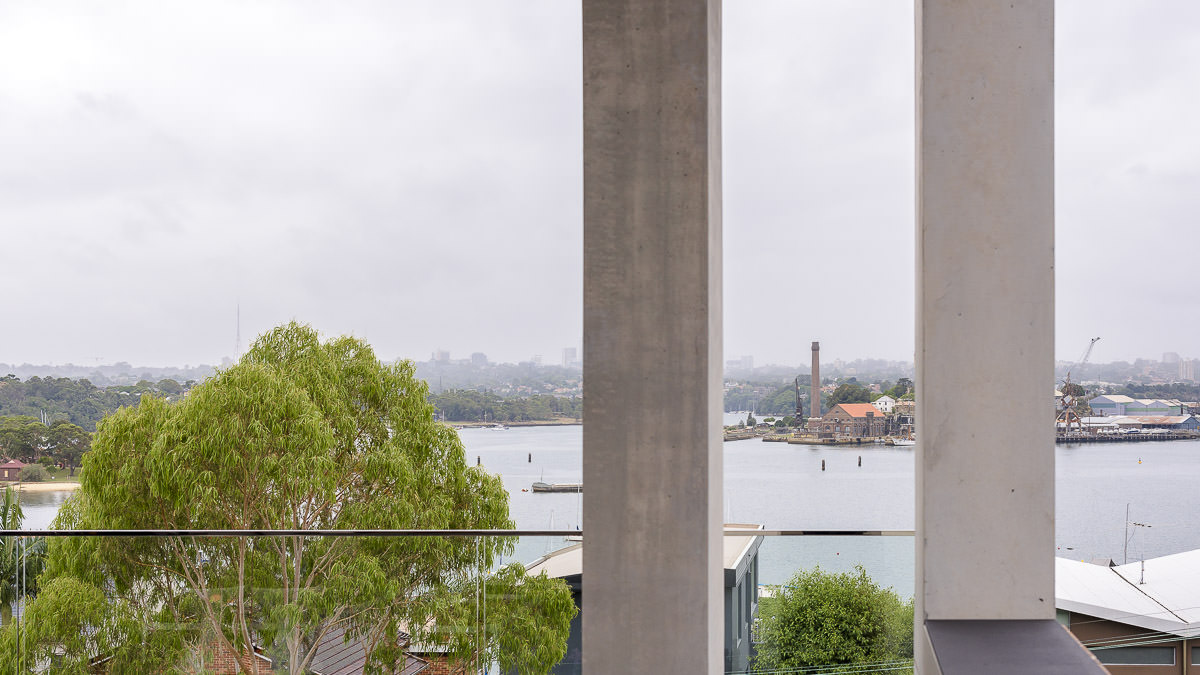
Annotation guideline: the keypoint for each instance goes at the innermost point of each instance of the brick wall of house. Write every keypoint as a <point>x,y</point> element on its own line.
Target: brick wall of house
<point>222,662</point>
<point>439,665</point>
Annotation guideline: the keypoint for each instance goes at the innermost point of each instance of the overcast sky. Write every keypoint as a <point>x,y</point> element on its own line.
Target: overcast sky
<point>411,173</point>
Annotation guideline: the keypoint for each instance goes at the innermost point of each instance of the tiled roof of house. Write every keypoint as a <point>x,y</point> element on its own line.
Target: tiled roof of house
<point>859,409</point>
<point>12,464</point>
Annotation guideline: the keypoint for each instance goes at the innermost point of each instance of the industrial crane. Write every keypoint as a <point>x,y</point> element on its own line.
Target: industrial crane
<point>1067,417</point>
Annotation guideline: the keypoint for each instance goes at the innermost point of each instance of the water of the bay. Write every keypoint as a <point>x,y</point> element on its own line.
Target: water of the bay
<point>782,486</point>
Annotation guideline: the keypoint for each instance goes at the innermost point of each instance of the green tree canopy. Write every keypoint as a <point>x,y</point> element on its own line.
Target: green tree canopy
<point>850,393</point>
<point>301,434</point>
<point>824,619</point>
<point>903,386</point>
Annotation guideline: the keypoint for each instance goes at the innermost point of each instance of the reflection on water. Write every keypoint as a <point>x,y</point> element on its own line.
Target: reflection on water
<point>40,507</point>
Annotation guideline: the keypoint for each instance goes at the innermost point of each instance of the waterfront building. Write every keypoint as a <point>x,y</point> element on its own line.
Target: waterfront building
<point>1114,423</point>
<point>884,404</point>
<point>1116,404</point>
<point>852,420</point>
<point>1136,618</point>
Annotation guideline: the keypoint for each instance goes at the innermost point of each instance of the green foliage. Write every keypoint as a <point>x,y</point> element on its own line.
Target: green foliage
<point>1073,390</point>
<point>77,401</point>
<point>1183,391</point>
<point>849,393</point>
<point>750,421</point>
<point>825,619</point>
<point>27,439</point>
<point>33,473</point>
<point>301,434</point>
<point>776,401</point>
<point>21,559</point>
<point>461,405</point>
<point>903,386</point>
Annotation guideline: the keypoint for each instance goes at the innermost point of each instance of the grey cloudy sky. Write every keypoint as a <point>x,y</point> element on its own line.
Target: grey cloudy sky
<point>411,173</point>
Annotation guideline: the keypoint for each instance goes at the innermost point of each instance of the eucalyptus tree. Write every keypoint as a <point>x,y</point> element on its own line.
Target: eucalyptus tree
<point>304,435</point>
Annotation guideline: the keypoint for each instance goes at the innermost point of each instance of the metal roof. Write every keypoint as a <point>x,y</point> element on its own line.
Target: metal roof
<point>1168,601</point>
<point>337,656</point>
<point>568,561</point>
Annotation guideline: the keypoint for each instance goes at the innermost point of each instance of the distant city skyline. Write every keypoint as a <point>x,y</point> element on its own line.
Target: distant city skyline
<point>412,175</point>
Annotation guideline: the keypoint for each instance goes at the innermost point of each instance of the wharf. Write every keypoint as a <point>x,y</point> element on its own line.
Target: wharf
<point>1123,438</point>
<point>539,486</point>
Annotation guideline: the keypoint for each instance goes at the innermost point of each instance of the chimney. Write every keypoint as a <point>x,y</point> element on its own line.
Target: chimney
<point>815,405</point>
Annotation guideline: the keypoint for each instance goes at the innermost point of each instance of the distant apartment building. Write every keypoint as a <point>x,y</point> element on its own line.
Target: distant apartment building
<point>570,356</point>
<point>479,359</point>
<point>1170,357</point>
<point>744,363</point>
<point>1187,370</point>
<point>440,356</point>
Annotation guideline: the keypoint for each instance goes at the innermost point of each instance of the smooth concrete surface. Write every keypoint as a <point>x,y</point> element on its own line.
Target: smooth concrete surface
<point>985,311</point>
<point>1040,646</point>
<point>652,337</point>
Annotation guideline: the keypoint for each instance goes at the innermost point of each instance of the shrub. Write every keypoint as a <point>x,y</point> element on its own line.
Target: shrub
<point>34,473</point>
<point>820,619</point>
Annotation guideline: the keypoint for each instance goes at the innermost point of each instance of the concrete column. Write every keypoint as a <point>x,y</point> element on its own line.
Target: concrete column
<point>652,584</point>
<point>985,311</point>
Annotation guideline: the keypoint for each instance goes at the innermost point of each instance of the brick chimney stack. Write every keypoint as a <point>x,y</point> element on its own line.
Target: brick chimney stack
<point>814,406</point>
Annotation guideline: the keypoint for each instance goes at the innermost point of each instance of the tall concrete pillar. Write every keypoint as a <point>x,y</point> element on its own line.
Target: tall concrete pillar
<point>985,312</point>
<point>815,406</point>
<point>652,585</point>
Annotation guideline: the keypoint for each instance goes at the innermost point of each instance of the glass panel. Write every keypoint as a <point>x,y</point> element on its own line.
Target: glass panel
<point>1137,656</point>
<point>821,601</point>
<point>276,603</point>
<point>290,604</point>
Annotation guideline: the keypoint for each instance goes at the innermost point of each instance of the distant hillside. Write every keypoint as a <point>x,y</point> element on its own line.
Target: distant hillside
<point>77,401</point>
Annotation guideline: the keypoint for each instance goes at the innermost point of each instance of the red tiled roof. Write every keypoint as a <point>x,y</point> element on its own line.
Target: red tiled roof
<point>860,409</point>
<point>12,464</point>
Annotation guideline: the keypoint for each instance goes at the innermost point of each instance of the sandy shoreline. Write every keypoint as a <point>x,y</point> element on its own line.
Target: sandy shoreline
<point>43,487</point>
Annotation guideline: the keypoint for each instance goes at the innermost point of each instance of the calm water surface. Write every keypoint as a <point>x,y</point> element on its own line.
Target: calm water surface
<point>783,487</point>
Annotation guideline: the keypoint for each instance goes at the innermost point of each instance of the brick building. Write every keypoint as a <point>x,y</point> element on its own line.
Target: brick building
<point>852,420</point>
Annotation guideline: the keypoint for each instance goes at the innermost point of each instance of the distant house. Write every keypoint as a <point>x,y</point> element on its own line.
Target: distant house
<point>1135,618</point>
<point>11,469</point>
<point>885,404</point>
<point>741,597</point>
<point>853,420</point>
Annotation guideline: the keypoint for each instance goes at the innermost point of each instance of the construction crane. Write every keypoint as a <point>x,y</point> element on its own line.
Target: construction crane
<point>1067,417</point>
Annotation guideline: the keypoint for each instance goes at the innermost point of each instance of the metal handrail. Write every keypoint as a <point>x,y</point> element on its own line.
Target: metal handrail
<point>417,533</point>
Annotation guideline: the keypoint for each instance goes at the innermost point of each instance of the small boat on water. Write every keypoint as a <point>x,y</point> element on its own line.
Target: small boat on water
<point>903,441</point>
<point>539,486</point>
